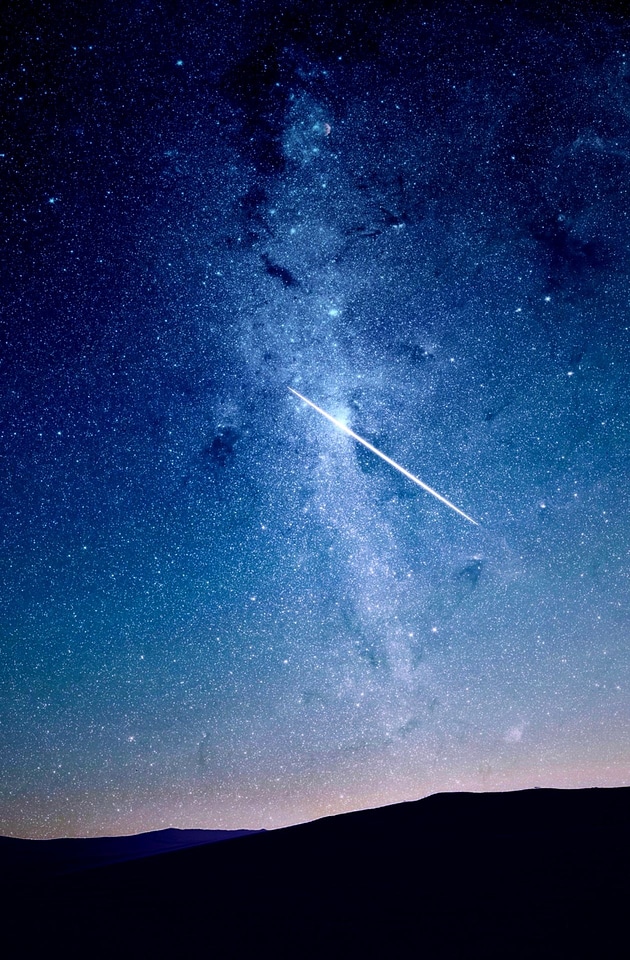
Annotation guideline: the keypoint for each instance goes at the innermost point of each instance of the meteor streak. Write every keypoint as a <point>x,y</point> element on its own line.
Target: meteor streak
<point>392,463</point>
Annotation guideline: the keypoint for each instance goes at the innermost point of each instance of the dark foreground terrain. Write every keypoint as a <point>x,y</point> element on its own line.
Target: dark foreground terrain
<point>538,873</point>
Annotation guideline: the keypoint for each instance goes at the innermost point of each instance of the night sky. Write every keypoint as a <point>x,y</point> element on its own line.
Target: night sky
<point>217,609</point>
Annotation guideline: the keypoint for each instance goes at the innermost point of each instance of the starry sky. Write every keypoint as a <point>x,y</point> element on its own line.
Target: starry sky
<point>217,609</point>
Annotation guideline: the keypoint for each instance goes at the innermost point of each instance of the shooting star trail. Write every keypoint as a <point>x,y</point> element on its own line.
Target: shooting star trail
<point>392,463</point>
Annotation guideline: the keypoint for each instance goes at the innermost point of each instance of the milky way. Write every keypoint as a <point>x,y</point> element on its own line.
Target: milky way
<point>218,611</point>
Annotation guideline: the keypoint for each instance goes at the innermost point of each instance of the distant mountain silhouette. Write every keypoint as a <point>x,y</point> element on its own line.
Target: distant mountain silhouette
<point>530,874</point>
<point>36,859</point>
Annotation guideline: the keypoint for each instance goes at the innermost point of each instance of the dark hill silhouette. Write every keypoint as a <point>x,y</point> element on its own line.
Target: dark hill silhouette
<point>530,874</point>
<point>30,860</point>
